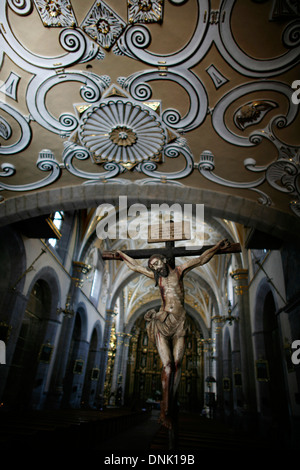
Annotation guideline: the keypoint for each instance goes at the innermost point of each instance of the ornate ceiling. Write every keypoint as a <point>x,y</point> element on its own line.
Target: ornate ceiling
<point>194,94</point>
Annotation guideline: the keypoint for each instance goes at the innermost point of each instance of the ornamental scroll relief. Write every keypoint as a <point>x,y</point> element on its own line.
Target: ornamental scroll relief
<point>111,129</point>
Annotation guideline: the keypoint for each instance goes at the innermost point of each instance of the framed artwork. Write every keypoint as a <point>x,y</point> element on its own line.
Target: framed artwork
<point>45,353</point>
<point>78,366</point>
<point>95,373</point>
<point>237,377</point>
<point>226,384</point>
<point>262,370</point>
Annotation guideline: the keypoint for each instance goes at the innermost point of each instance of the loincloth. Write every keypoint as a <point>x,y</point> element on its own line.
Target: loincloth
<point>167,324</point>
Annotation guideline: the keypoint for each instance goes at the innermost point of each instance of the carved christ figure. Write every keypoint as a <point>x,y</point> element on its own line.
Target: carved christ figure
<point>168,328</point>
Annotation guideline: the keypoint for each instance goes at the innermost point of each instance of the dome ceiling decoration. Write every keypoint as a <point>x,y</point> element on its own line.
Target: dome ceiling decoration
<point>103,25</point>
<point>170,91</point>
<point>55,13</point>
<point>122,131</point>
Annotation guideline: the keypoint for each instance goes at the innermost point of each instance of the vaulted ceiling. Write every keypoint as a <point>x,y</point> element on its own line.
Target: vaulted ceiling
<point>195,98</point>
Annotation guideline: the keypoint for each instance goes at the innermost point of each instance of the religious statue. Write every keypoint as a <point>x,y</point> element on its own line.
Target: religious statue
<point>168,327</point>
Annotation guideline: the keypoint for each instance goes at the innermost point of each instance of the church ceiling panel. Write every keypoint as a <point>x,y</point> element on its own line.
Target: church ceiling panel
<point>198,93</point>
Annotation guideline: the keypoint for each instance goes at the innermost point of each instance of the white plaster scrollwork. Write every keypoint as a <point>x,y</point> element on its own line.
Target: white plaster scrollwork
<point>242,62</point>
<point>137,38</point>
<point>73,150</point>
<point>282,174</point>
<point>286,173</point>
<point>38,88</point>
<point>5,129</point>
<point>45,162</point>
<point>206,167</point>
<point>7,169</point>
<point>138,87</point>
<point>22,7</point>
<point>173,150</point>
<point>25,136</point>
<point>219,111</point>
<point>118,137</point>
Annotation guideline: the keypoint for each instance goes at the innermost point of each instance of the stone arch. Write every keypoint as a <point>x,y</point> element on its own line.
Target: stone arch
<point>98,329</point>
<point>263,289</point>
<point>272,399</point>
<point>92,371</point>
<point>235,208</point>
<point>81,310</point>
<point>50,277</point>
<point>30,364</point>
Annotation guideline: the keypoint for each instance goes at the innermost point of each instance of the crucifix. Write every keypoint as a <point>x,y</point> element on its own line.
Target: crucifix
<point>168,327</point>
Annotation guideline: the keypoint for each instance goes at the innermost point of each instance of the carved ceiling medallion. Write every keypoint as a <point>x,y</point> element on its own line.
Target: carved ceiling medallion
<point>56,12</point>
<point>103,25</point>
<point>145,11</point>
<point>123,132</point>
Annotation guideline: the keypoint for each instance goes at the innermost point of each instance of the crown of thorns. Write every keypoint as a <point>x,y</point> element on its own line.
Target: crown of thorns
<point>158,256</point>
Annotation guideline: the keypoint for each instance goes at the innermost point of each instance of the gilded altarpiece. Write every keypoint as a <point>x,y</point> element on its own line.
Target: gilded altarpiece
<point>143,378</point>
<point>108,398</point>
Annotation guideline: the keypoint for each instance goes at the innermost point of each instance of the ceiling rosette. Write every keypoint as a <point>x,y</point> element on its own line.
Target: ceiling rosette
<point>122,131</point>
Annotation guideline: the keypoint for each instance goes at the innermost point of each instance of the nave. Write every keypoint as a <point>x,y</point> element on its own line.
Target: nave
<point>120,430</point>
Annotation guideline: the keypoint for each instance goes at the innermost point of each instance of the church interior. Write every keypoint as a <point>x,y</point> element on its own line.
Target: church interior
<point>115,116</point>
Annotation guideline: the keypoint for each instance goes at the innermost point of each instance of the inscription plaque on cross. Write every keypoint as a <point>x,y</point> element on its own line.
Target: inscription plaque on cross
<point>169,233</point>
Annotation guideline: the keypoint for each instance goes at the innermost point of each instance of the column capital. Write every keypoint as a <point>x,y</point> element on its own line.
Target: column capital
<point>110,313</point>
<point>239,274</point>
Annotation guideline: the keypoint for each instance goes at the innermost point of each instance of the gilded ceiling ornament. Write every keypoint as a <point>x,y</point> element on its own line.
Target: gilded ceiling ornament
<point>145,11</point>
<point>122,131</point>
<point>123,136</point>
<point>252,113</point>
<point>103,25</point>
<point>56,12</point>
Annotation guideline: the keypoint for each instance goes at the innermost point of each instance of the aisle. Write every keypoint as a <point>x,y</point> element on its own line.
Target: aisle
<point>136,438</point>
<point>115,430</point>
<point>195,433</point>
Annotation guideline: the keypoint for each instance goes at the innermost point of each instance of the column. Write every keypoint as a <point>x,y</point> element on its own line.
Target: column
<point>55,393</point>
<point>240,277</point>
<point>79,360</point>
<point>219,369</point>
<point>56,389</point>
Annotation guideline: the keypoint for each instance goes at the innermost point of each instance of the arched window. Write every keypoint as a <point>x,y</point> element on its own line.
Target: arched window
<point>96,286</point>
<point>57,219</point>
<point>94,260</point>
<point>229,286</point>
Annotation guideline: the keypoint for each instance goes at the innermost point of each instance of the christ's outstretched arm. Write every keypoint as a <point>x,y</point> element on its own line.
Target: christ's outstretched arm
<point>203,259</point>
<point>134,265</point>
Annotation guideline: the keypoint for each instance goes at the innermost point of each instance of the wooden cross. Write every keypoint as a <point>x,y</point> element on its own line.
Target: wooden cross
<point>176,232</point>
